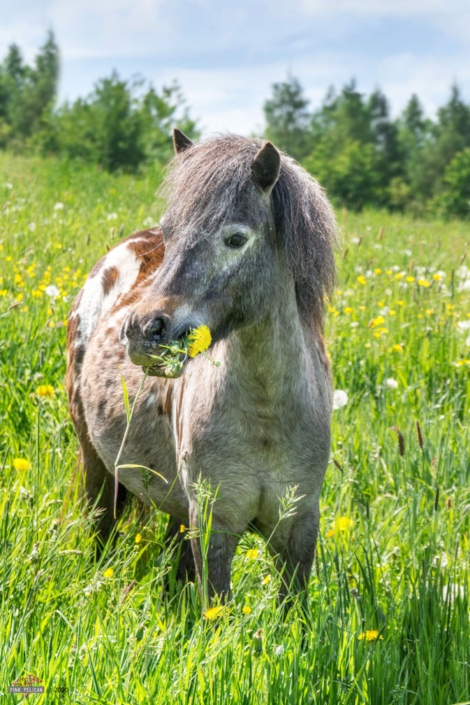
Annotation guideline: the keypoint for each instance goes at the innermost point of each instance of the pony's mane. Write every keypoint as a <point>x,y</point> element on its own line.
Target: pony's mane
<point>211,181</point>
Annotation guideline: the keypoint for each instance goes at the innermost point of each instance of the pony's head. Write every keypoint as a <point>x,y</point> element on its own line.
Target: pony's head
<point>245,226</point>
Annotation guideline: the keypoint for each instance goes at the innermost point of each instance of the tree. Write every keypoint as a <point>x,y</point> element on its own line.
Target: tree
<point>119,126</point>
<point>27,94</point>
<point>455,197</point>
<point>287,118</point>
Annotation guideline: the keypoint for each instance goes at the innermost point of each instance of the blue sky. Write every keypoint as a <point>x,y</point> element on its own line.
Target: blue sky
<point>226,55</point>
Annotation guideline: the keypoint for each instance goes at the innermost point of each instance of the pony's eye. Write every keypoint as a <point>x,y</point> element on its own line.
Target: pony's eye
<point>236,240</point>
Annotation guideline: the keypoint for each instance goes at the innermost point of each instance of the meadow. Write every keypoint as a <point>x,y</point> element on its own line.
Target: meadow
<point>389,592</point>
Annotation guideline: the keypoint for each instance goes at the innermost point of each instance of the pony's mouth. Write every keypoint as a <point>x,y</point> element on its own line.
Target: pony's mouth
<point>171,360</point>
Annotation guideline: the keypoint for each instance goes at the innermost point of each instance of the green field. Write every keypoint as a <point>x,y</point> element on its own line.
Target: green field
<point>390,587</point>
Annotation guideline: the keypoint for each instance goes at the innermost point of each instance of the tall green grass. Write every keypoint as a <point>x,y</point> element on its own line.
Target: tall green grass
<point>390,587</point>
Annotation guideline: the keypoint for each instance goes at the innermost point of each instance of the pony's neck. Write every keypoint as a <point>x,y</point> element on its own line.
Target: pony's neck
<point>271,358</point>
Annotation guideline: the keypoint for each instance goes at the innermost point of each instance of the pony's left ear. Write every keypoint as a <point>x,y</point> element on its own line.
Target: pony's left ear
<point>266,167</point>
<point>180,141</point>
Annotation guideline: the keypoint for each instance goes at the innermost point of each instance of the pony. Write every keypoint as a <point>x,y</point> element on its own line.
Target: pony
<point>246,248</point>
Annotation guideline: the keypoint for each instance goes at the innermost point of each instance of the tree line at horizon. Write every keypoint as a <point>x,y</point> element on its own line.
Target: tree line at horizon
<point>350,143</point>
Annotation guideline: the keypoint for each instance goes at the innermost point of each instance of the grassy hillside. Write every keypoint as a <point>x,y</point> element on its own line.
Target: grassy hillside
<point>390,588</point>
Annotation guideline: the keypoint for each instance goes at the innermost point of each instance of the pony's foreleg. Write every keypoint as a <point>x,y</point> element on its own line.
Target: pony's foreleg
<point>213,554</point>
<point>99,489</point>
<point>294,559</point>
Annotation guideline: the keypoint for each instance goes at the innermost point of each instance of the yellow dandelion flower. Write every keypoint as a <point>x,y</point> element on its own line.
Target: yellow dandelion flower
<point>182,528</point>
<point>215,612</point>
<point>330,533</point>
<point>45,390</point>
<point>423,282</point>
<point>344,523</point>
<point>36,294</point>
<point>392,312</point>
<point>399,275</point>
<point>21,464</point>
<point>246,609</point>
<point>376,322</point>
<point>400,303</point>
<point>252,553</point>
<point>138,538</point>
<point>3,292</point>
<point>200,339</point>
<point>377,271</point>
<point>266,580</point>
<point>108,573</point>
<point>437,277</point>
<point>361,279</point>
<point>370,635</point>
<point>348,309</point>
<point>397,347</point>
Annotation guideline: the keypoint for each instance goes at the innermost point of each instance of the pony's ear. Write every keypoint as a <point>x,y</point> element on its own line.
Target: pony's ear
<point>265,168</point>
<point>180,141</point>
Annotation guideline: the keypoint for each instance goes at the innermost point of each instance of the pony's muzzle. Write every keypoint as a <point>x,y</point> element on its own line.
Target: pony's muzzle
<point>142,336</point>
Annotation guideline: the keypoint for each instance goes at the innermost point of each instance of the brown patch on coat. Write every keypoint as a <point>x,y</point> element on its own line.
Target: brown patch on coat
<point>109,279</point>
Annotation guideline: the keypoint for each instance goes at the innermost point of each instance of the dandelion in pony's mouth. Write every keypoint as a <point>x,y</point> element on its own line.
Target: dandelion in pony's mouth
<point>174,356</point>
<point>199,340</point>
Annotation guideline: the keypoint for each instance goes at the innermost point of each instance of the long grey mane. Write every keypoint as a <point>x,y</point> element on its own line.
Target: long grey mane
<point>211,181</point>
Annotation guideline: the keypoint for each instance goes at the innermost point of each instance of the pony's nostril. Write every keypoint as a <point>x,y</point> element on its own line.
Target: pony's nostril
<point>155,330</point>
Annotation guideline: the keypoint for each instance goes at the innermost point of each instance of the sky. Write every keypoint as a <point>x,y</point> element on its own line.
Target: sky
<point>226,55</point>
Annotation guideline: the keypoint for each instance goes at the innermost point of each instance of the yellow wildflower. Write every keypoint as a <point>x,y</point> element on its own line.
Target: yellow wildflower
<point>182,528</point>
<point>36,293</point>
<point>200,339</point>
<point>138,538</point>
<point>437,277</point>
<point>370,635</point>
<point>108,573</point>
<point>398,347</point>
<point>423,282</point>
<point>361,279</point>
<point>45,390</point>
<point>21,464</point>
<point>246,610</point>
<point>348,309</point>
<point>215,612</point>
<point>252,553</point>
<point>377,271</point>
<point>376,322</point>
<point>3,292</point>
<point>342,525</point>
<point>266,580</point>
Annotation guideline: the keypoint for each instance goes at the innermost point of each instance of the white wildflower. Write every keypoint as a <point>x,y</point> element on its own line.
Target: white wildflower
<point>463,325</point>
<point>58,206</point>
<point>340,398</point>
<point>112,216</point>
<point>32,227</point>
<point>8,185</point>
<point>467,342</point>
<point>391,383</point>
<point>279,650</point>
<point>355,240</point>
<point>52,291</point>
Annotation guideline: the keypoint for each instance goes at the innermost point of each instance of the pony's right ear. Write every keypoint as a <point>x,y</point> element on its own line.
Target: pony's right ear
<point>180,141</point>
<point>266,167</point>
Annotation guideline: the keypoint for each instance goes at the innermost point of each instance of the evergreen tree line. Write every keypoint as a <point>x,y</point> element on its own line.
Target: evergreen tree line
<point>364,157</point>
<point>351,144</point>
<point>121,125</point>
